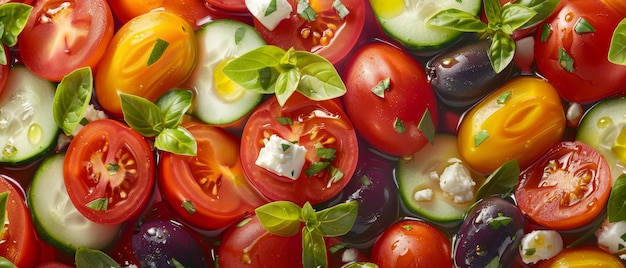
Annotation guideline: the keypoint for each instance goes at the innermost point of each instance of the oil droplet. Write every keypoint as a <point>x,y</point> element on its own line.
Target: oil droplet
<point>569,17</point>
<point>35,133</point>
<point>9,150</point>
<point>604,122</point>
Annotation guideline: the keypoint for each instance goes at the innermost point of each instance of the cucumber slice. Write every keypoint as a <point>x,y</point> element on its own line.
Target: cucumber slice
<point>416,174</point>
<point>56,219</point>
<point>218,100</point>
<point>405,21</point>
<point>27,128</point>
<point>603,127</point>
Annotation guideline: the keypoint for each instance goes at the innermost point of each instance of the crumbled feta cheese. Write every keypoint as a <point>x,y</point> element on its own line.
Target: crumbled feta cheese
<point>349,255</point>
<point>282,157</point>
<point>93,114</point>
<point>423,195</point>
<point>270,18</point>
<point>540,245</point>
<point>456,181</point>
<point>610,237</point>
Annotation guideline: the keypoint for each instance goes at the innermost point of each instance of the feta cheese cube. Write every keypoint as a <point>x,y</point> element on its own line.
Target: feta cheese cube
<point>269,19</point>
<point>282,157</point>
<point>456,181</point>
<point>610,237</point>
<point>423,195</point>
<point>540,245</point>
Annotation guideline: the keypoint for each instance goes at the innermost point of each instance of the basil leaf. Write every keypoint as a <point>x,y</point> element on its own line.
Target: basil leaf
<point>189,207</point>
<point>141,115</point>
<point>71,99</point>
<point>289,60</point>
<point>337,220</point>
<point>546,31</point>
<point>316,167</point>
<point>583,26</point>
<point>305,10</point>
<point>497,222</point>
<point>94,259</point>
<point>543,9</point>
<point>493,11</point>
<point>173,105</point>
<point>458,20</point>
<point>320,80</point>
<point>616,207</point>
<point>313,249</point>
<point>271,8</point>
<point>501,182</point>
<point>239,34</point>
<point>5,263</point>
<point>501,52</point>
<point>4,199</point>
<point>480,137</point>
<point>566,61</point>
<point>398,125</point>
<point>280,217</point>
<point>247,69</point>
<point>382,86</point>
<point>309,216</point>
<point>286,85</point>
<point>176,140</point>
<point>617,50</point>
<point>514,16</point>
<point>427,126</point>
<point>13,17</point>
<point>100,204</point>
<point>159,48</point>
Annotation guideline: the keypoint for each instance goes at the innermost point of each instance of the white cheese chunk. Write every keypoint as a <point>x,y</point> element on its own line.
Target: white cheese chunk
<point>610,237</point>
<point>456,181</point>
<point>540,245</point>
<point>282,157</point>
<point>269,19</point>
<point>423,195</point>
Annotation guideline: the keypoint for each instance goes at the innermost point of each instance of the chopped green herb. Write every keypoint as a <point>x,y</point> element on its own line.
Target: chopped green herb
<point>342,10</point>
<point>189,207</point>
<point>285,146</point>
<point>244,222</point>
<point>399,126</point>
<point>497,222</point>
<point>623,237</point>
<point>481,137</point>
<point>326,153</point>
<point>176,263</point>
<point>365,180</point>
<point>566,61</point>
<point>502,99</point>
<point>157,51</point>
<point>239,34</point>
<point>335,175</point>
<point>285,121</point>
<point>306,11</point>
<point>530,251</point>
<point>546,31</point>
<point>315,168</point>
<point>112,168</point>
<point>620,246</point>
<point>4,200</point>
<point>99,204</point>
<point>336,248</point>
<point>494,263</point>
<point>583,26</point>
<point>407,227</point>
<point>381,87</point>
<point>427,126</point>
<point>271,8</point>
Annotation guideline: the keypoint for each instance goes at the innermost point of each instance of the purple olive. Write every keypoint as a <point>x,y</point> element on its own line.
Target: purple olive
<point>490,234</point>
<point>161,243</point>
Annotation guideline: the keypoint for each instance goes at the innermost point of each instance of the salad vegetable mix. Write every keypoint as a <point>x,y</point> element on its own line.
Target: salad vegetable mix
<point>313,133</point>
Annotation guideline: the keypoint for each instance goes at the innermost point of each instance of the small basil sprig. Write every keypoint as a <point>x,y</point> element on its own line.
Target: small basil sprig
<point>71,99</point>
<point>501,182</point>
<point>617,49</point>
<point>161,119</point>
<point>4,200</point>
<point>13,18</point>
<point>616,207</point>
<point>270,69</point>
<point>285,218</point>
<point>94,259</point>
<point>5,263</point>
<point>503,21</point>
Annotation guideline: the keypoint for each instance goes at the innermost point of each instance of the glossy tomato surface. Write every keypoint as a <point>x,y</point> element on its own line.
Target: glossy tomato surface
<point>314,123</point>
<point>575,60</point>
<point>328,34</point>
<point>390,123</point>
<point>584,256</point>
<point>193,11</point>
<point>61,36</point>
<point>566,188</point>
<point>109,172</point>
<point>238,6</point>
<point>209,190</point>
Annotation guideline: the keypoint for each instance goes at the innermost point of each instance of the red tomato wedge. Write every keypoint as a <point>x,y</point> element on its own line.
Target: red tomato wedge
<point>109,172</point>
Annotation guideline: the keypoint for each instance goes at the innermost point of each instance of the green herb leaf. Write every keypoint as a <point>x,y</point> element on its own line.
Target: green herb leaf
<point>313,249</point>
<point>501,51</point>
<point>4,200</point>
<point>176,263</point>
<point>543,9</point>
<point>427,126</point>
<point>502,98</point>
<point>480,137</point>
<point>173,105</point>
<point>189,207</point>
<point>320,80</point>
<point>280,217</point>
<point>176,140</point>
<point>546,31</point>
<point>501,182</point>
<point>514,16</point>
<point>316,167</point>
<point>617,50</point>
<point>244,222</point>
<point>398,125</point>
<point>305,10</point>
<point>407,227</point>
<point>362,264</point>
<point>530,251</point>
<point>342,10</point>
<point>336,175</point>
<point>94,259</point>
<point>141,115</point>
<point>13,17</point>
<point>326,153</point>
<point>494,263</point>
<point>159,48</point>
<point>71,99</point>
<point>5,263</point>
<point>497,222</point>
<point>616,207</point>
<point>382,86</point>
<point>3,56</point>
<point>285,121</point>
<point>254,70</point>
<point>239,34</point>
<point>271,8</point>
<point>289,60</point>
<point>337,220</point>
<point>366,180</point>
<point>100,204</point>
<point>286,85</point>
<point>308,215</point>
<point>566,61</point>
<point>493,11</point>
<point>583,26</point>
<point>458,20</point>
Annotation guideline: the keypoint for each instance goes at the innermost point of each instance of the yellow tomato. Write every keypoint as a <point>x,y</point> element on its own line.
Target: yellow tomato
<point>149,55</point>
<point>519,121</point>
<point>586,256</point>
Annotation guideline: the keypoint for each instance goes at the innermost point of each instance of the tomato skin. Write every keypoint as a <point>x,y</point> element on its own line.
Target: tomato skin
<point>412,243</point>
<point>124,67</point>
<point>99,147</point>
<point>409,96</point>
<point>584,256</point>
<point>193,11</point>
<point>288,32</point>
<point>569,172</point>
<point>238,6</point>
<point>218,162</point>
<point>76,36</point>
<point>519,126</point>
<point>587,82</point>
<point>22,245</point>
<point>314,122</point>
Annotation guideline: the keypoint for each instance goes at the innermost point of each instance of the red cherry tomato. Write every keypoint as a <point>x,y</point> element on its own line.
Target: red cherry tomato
<point>62,36</point>
<point>314,123</point>
<point>575,61</point>
<point>238,6</point>
<point>109,172</point>
<point>412,243</point>
<point>208,191</point>
<point>565,188</point>
<point>328,35</point>
<point>405,101</point>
